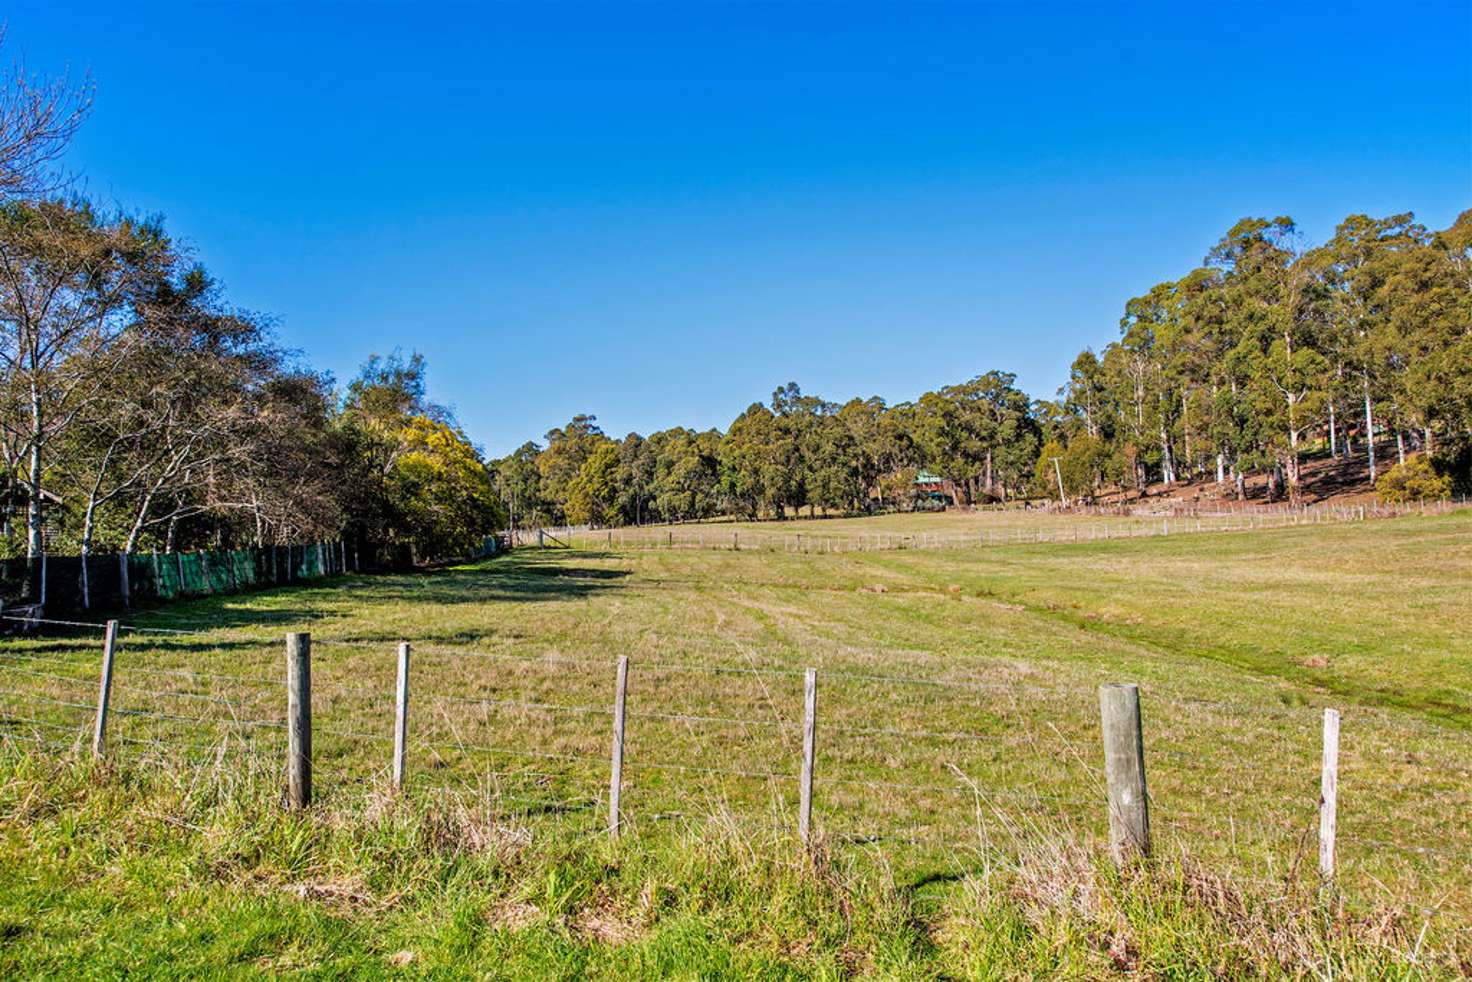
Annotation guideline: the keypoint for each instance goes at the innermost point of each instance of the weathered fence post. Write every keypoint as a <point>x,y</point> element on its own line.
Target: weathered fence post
<point>401,714</point>
<point>298,719</point>
<point>104,691</point>
<point>809,739</point>
<point>124,587</point>
<point>736,541</point>
<point>1124,771</point>
<point>1329,794</point>
<point>616,769</point>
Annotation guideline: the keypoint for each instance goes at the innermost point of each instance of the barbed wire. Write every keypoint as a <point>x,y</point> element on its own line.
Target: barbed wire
<point>125,687</point>
<point>974,685</point>
<point>839,674</point>
<point>48,699</point>
<point>52,621</point>
<point>185,673</point>
<point>79,728</point>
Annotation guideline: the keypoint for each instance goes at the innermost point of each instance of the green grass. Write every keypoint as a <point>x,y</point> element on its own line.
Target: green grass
<point>961,822</point>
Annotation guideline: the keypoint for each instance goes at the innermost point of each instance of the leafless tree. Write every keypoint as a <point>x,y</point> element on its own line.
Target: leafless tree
<point>38,118</point>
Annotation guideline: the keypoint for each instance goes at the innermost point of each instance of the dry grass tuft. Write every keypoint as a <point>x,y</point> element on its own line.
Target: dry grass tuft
<point>513,915</point>
<point>346,895</point>
<point>600,920</point>
<point>455,825</point>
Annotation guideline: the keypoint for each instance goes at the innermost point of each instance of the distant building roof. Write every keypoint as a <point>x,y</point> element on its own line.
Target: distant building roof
<point>925,477</point>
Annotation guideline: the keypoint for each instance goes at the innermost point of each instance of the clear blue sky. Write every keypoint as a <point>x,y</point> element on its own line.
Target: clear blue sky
<point>658,213</point>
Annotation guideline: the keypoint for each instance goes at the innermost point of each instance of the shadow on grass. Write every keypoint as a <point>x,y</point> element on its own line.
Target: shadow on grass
<point>520,577</point>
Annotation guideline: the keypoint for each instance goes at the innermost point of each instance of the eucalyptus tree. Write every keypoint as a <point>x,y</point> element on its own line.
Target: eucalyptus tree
<point>1353,267</point>
<point>1273,305</point>
<point>519,484</point>
<point>568,448</point>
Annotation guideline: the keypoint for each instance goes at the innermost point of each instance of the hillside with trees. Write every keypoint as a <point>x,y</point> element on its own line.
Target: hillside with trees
<point>1269,353</point>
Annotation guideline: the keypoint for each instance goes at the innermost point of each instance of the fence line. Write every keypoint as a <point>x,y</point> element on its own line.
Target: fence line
<point>118,581</point>
<point>1111,524</point>
<point>1123,799</point>
<point>963,684</point>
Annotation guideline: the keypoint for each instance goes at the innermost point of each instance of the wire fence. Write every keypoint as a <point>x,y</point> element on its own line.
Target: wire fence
<point>991,528</point>
<point>897,761</point>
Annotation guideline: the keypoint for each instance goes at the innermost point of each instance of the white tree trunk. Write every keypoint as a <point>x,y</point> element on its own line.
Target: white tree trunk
<point>1333,434</point>
<point>1370,431</point>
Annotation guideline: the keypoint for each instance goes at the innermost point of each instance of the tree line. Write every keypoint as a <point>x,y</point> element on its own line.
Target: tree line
<point>139,409</point>
<point>981,437</point>
<point>1270,349</point>
<point>1267,352</point>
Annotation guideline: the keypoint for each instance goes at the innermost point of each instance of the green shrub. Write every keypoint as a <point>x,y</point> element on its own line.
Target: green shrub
<point>1453,459</point>
<point>1415,480</point>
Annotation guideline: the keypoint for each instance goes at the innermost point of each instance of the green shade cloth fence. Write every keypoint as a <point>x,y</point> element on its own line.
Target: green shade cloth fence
<point>157,576</point>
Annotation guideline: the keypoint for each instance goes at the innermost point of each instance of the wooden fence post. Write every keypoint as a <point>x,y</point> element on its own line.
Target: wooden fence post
<point>616,770</point>
<point>298,719</point>
<point>1124,771</point>
<point>401,714</point>
<point>809,739</point>
<point>104,691</point>
<point>1329,794</point>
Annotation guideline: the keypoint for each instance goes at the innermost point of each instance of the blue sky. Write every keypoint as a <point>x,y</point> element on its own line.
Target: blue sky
<point>659,212</point>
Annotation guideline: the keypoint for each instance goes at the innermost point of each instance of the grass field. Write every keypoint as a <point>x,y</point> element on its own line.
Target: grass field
<point>958,792</point>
